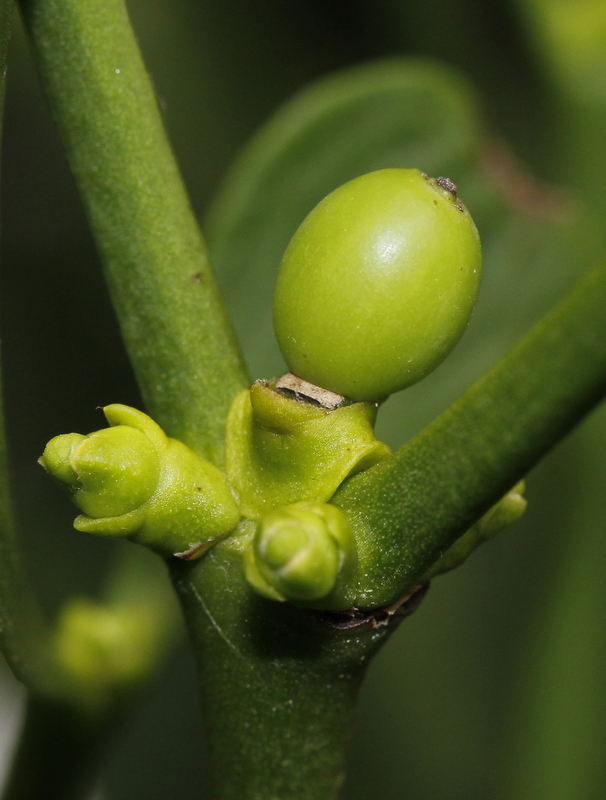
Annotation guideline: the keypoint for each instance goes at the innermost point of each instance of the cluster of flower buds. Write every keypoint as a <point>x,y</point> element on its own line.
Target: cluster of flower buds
<point>375,289</point>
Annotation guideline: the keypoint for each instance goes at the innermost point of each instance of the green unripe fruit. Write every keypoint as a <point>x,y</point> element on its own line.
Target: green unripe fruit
<point>378,284</point>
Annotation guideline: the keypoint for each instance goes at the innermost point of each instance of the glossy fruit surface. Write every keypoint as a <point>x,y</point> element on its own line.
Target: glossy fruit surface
<point>378,284</point>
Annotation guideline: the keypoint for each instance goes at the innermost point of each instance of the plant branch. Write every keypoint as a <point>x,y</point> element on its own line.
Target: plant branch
<point>173,321</point>
<point>412,507</point>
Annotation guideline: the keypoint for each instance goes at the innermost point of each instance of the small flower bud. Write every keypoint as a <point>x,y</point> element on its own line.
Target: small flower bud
<point>504,513</point>
<point>115,469</point>
<point>304,552</point>
<point>104,648</point>
<point>132,480</point>
<point>57,457</point>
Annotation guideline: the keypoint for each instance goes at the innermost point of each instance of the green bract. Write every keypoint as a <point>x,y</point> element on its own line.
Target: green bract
<point>378,284</point>
<point>132,480</point>
<point>280,450</point>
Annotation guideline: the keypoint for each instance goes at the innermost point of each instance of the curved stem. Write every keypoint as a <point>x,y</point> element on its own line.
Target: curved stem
<point>413,506</point>
<point>173,321</point>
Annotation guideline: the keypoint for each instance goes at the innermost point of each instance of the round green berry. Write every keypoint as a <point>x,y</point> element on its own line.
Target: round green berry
<point>378,284</point>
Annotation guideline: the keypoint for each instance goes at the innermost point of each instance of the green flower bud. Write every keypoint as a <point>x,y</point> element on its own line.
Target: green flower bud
<point>114,470</point>
<point>378,284</point>
<point>132,480</point>
<point>280,450</point>
<point>304,552</point>
<point>57,457</point>
<point>503,514</point>
<point>104,647</point>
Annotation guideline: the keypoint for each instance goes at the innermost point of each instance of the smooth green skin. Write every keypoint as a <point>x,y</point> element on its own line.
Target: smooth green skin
<point>393,112</point>
<point>132,480</point>
<point>281,451</point>
<point>306,553</point>
<point>377,285</point>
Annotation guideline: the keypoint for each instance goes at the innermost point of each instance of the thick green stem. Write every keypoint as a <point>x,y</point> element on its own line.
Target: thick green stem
<point>173,321</point>
<point>413,506</point>
<point>278,685</point>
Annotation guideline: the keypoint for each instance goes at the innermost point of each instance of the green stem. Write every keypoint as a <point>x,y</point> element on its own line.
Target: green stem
<point>413,506</point>
<point>172,318</point>
<point>278,685</point>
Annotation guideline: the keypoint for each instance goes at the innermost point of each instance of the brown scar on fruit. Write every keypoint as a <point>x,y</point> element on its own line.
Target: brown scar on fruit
<point>447,185</point>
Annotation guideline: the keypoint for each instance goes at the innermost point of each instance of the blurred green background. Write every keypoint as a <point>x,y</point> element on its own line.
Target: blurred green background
<point>495,688</point>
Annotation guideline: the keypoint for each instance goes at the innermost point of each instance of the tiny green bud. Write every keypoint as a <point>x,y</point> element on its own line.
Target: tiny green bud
<point>304,552</point>
<point>132,480</point>
<point>503,514</point>
<point>57,457</point>
<point>117,470</point>
<point>103,648</point>
<point>377,284</point>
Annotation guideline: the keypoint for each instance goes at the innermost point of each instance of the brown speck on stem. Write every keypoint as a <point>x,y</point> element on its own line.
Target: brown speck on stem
<point>197,278</point>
